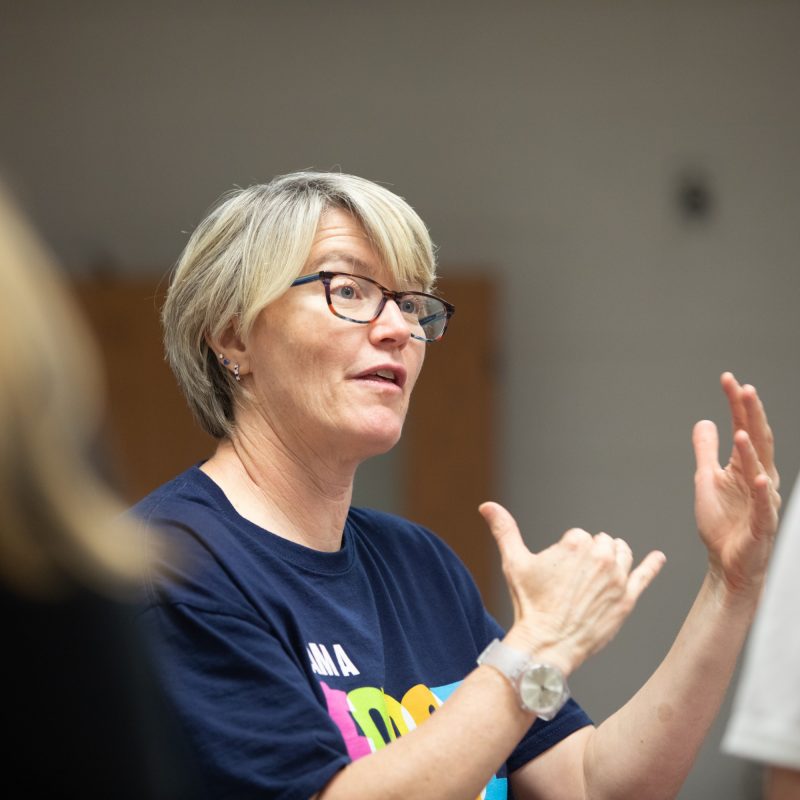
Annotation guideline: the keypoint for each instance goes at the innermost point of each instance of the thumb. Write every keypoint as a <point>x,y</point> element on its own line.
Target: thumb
<point>505,531</point>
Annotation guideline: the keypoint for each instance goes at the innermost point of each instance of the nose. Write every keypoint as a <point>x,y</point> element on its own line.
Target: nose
<point>390,326</point>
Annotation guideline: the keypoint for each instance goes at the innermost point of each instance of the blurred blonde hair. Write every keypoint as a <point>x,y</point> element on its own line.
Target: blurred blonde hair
<point>246,253</point>
<point>59,522</point>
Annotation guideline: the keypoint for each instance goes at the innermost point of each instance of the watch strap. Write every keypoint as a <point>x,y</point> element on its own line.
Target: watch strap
<point>518,667</point>
<point>505,659</point>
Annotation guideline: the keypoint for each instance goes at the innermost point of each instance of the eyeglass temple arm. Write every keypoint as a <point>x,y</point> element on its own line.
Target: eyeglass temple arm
<point>314,276</point>
<point>432,318</point>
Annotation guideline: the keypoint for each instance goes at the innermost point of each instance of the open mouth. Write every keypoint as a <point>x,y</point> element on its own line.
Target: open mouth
<point>384,375</point>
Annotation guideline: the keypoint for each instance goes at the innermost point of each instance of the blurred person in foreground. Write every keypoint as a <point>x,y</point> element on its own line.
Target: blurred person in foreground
<point>81,711</point>
<point>765,722</point>
<point>307,644</point>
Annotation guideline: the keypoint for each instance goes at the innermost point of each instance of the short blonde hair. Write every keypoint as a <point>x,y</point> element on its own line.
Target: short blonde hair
<point>246,253</point>
<point>58,519</point>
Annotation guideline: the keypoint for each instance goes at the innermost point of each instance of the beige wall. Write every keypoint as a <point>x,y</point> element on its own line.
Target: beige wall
<point>541,141</point>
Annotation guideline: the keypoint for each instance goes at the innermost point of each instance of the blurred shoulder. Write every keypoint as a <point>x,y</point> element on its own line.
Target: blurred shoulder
<point>192,493</point>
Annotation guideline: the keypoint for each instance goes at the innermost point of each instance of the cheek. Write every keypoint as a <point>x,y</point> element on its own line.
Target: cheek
<point>319,371</point>
<point>414,368</point>
<point>289,376</point>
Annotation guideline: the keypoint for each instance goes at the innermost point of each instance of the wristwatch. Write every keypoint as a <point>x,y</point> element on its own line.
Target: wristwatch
<point>541,687</point>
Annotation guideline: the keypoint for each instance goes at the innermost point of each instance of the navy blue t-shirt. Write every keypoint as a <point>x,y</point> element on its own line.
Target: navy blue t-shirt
<point>286,663</point>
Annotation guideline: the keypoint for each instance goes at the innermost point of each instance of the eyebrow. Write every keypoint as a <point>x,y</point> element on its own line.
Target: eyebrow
<point>341,256</point>
<point>359,266</point>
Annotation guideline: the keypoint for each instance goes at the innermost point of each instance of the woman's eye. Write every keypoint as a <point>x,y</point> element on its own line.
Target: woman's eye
<point>345,291</point>
<point>408,305</point>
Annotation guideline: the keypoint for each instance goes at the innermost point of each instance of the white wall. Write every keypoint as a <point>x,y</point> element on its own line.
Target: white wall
<point>541,141</point>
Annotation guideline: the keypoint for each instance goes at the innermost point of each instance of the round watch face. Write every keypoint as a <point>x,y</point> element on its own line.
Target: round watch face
<point>541,688</point>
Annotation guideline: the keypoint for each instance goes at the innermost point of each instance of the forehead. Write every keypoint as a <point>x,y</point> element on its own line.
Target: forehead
<point>341,244</point>
<point>339,231</point>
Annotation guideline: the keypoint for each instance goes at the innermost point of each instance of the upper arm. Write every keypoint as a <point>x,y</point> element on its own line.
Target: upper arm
<point>556,774</point>
<point>253,717</point>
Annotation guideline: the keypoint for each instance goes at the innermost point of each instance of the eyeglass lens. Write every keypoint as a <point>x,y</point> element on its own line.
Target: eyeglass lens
<point>358,299</point>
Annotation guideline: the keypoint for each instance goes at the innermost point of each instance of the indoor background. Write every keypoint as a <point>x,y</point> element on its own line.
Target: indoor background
<point>624,173</point>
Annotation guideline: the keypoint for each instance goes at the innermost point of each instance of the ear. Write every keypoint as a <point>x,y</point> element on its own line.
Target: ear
<point>231,346</point>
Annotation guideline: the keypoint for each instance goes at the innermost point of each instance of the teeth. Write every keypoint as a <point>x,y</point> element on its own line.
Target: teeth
<point>385,373</point>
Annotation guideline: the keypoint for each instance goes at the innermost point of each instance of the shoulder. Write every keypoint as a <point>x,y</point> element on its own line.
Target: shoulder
<point>189,512</point>
<point>409,546</point>
<point>190,491</point>
<point>392,532</point>
<point>195,546</point>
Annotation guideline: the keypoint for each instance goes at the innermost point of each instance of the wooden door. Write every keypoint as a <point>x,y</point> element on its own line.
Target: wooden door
<point>449,436</point>
<point>150,433</point>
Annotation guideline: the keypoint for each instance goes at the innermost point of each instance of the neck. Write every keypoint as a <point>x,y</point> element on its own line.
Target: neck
<point>291,491</point>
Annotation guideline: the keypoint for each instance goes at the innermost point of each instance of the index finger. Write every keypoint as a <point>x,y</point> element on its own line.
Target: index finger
<point>706,446</point>
<point>733,391</point>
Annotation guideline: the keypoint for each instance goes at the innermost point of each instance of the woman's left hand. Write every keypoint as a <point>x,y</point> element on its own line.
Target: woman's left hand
<point>736,507</point>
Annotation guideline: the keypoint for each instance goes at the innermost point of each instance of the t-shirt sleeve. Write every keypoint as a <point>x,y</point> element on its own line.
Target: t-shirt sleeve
<point>254,720</point>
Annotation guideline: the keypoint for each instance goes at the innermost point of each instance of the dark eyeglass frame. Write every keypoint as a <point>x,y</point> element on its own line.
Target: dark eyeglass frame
<point>388,294</point>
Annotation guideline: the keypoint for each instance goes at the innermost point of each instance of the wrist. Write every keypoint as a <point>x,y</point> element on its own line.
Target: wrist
<point>540,686</point>
<point>739,598</point>
<point>540,648</point>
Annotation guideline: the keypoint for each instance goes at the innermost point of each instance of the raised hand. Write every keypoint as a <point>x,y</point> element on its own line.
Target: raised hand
<point>736,507</point>
<point>571,598</point>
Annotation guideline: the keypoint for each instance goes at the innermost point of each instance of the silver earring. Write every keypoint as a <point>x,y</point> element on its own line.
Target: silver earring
<point>236,372</point>
<point>224,360</point>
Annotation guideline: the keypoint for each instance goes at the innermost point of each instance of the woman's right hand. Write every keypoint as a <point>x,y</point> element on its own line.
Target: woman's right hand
<point>571,598</point>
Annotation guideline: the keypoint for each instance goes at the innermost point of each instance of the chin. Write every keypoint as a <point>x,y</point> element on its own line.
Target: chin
<point>384,447</point>
<point>378,439</point>
<point>380,444</point>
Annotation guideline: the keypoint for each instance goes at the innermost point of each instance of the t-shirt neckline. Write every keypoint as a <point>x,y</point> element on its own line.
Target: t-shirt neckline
<point>329,563</point>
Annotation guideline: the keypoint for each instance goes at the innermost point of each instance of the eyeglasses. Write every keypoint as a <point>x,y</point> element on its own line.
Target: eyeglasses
<point>359,299</point>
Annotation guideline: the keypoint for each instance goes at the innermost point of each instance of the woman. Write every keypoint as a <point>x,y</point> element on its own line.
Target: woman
<point>299,635</point>
<point>82,712</point>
